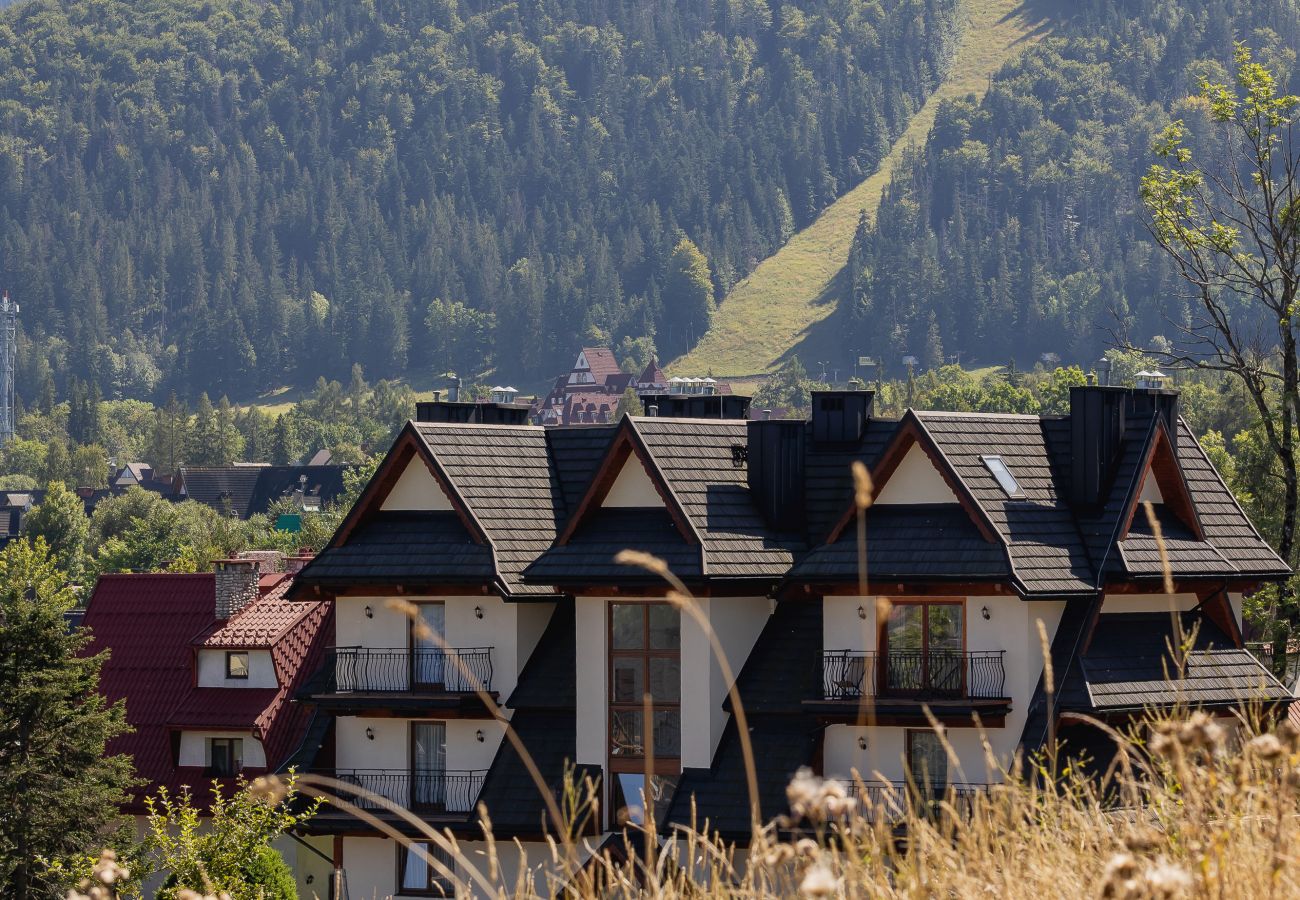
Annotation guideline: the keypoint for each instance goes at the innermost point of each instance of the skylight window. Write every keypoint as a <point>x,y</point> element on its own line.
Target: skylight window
<point>1006,480</point>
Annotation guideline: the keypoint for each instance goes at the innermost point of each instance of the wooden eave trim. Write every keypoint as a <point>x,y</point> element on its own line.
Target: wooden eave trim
<point>933,588</point>
<point>912,431</point>
<point>1184,506</point>
<point>1218,610</point>
<point>627,443</point>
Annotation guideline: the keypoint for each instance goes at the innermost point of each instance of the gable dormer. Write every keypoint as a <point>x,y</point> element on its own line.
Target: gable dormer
<point>416,490</point>
<point>916,480</point>
<point>1161,483</point>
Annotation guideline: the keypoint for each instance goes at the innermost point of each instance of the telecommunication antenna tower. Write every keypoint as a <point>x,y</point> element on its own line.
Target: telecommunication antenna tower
<point>8,358</point>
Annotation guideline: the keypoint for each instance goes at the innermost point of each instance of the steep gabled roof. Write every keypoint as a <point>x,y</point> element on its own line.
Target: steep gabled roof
<point>601,362</point>
<point>227,489</point>
<point>153,624</point>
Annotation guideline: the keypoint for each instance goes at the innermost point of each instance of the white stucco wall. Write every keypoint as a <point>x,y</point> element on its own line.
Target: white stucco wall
<point>591,668</point>
<point>353,750</point>
<point>194,748</point>
<point>371,867</point>
<point>737,622</point>
<point>531,620</point>
<point>212,670</point>
<point>633,488</point>
<point>915,481</point>
<point>1147,603</point>
<point>416,489</point>
<point>388,628</point>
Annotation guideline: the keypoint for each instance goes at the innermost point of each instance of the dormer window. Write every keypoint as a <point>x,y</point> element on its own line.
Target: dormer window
<point>237,664</point>
<point>1005,479</point>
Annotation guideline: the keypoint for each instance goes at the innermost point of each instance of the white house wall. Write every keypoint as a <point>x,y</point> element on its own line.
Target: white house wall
<point>916,480</point>
<point>1147,603</point>
<point>371,867</point>
<point>737,621</point>
<point>416,489</point>
<point>591,662</point>
<point>633,488</point>
<point>385,629</point>
<point>194,748</point>
<point>212,670</point>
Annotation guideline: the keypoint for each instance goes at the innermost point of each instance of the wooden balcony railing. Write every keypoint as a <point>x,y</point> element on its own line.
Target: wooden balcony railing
<point>382,670</point>
<point>914,674</point>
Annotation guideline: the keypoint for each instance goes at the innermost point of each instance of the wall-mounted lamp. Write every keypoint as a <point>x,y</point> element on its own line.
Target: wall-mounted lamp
<point>309,878</point>
<point>478,612</point>
<point>370,613</point>
<point>478,735</point>
<point>862,743</point>
<point>370,734</point>
<point>986,614</point>
<point>862,612</point>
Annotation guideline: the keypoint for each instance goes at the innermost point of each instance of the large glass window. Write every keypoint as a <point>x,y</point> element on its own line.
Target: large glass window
<point>923,647</point>
<point>927,761</point>
<point>645,657</point>
<point>416,874</point>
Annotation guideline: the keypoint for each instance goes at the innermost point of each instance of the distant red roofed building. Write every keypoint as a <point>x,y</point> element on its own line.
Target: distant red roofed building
<point>590,391</point>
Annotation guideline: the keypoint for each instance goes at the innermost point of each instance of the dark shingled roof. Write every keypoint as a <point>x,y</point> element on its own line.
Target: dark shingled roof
<point>502,473</point>
<point>227,489</point>
<point>278,482</point>
<point>828,481</point>
<point>922,541</point>
<point>589,554</point>
<point>576,453</point>
<point>1129,666</point>
<point>1188,556</point>
<point>1043,544</point>
<point>403,548</point>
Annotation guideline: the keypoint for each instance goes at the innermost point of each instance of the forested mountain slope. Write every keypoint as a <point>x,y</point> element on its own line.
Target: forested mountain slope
<point>786,307</point>
<point>1017,231</point>
<point>226,195</point>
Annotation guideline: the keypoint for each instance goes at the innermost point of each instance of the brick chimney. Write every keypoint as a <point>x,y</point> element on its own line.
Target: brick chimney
<point>269,562</point>
<point>236,585</point>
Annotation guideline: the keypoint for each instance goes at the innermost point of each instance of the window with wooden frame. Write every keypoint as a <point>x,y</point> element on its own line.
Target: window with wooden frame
<point>416,874</point>
<point>645,657</point>
<point>237,664</point>
<point>225,756</point>
<point>922,646</point>
<point>927,761</point>
<point>428,653</point>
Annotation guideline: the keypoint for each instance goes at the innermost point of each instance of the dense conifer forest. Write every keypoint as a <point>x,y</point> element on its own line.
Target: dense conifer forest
<point>229,195</point>
<point>1017,230</point>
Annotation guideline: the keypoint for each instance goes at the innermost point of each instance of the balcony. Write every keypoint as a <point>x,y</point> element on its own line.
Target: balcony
<point>889,799</point>
<point>434,795</point>
<point>895,685</point>
<point>359,677</point>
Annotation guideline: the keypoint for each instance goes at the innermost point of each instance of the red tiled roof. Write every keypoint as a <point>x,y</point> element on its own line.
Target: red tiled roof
<point>259,624</point>
<point>653,374</point>
<point>602,363</point>
<point>153,625</point>
<point>589,407</point>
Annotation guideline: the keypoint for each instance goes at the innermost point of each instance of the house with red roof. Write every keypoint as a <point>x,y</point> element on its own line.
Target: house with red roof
<point>208,665</point>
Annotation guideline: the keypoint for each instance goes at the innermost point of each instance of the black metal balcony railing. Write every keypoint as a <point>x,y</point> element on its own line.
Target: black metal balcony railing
<point>933,674</point>
<point>890,798</point>
<point>363,669</point>
<point>428,790</point>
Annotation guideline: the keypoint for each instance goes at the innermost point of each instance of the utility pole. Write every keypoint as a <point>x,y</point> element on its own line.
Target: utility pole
<point>8,361</point>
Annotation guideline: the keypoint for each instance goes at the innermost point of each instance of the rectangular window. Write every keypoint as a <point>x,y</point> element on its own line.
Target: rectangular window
<point>923,647</point>
<point>428,765</point>
<point>927,761</point>
<point>418,876</point>
<point>645,657</point>
<point>237,664</point>
<point>428,653</point>
<point>225,757</point>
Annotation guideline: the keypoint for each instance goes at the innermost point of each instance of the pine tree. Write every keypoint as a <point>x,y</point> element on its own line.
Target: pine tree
<point>202,447</point>
<point>169,442</point>
<point>933,344</point>
<point>687,297</point>
<point>228,442</point>
<point>59,790</point>
<point>282,442</point>
<point>629,405</point>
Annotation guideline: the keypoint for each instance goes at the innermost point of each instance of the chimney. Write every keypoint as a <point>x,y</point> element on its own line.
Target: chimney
<point>295,564</point>
<point>774,461</point>
<point>268,562</point>
<point>652,410</point>
<point>840,417</point>
<point>236,585</point>
<point>1098,417</point>
<point>453,389</point>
